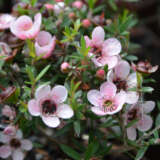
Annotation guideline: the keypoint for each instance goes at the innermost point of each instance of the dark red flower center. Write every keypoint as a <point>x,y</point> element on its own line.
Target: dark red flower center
<point>15,143</point>
<point>120,84</point>
<point>132,115</point>
<point>109,106</point>
<point>49,107</point>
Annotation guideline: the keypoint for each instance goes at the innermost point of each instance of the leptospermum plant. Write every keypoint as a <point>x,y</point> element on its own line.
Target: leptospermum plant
<point>69,84</point>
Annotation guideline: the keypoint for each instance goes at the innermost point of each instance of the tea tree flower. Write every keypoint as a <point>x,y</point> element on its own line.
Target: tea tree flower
<point>45,44</point>
<point>139,112</point>
<point>14,145</point>
<point>106,101</point>
<point>8,112</point>
<point>49,105</point>
<point>103,51</point>
<point>24,28</point>
<point>5,21</point>
<point>122,78</point>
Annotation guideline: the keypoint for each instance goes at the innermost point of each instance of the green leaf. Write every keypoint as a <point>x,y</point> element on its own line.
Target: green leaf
<point>77,127</point>
<point>70,152</point>
<point>141,153</point>
<point>131,58</point>
<point>91,149</point>
<point>41,74</point>
<point>106,68</point>
<point>30,73</point>
<point>147,89</point>
<point>33,2</point>
<point>157,121</point>
<point>139,79</point>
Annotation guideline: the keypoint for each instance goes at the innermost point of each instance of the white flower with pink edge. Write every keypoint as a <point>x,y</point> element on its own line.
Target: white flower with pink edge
<point>24,28</point>
<point>124,80</point>
<point>14,145</point>
<point>139,112</point>
<point>48,104</point>
<point>103,52</point>
<point>106,101</point>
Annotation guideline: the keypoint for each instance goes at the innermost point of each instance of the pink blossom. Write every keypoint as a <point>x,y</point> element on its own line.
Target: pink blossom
<point>77,4</point>
<point>100,74</point>
<point>5,21</point>
<point>24,28</point>
<point>122,78</point>
<point>49,6</point>
<point>49,105</point>
<point>45,44</point>
<point>86,23</point>
<point>10,130</point>
<point>14,145</point>
<point>59,7</point>
<point>72,15</point>
<point>8,112</point>
<point>139,112</point>
<point>106,101</point>
<point>103,51</point>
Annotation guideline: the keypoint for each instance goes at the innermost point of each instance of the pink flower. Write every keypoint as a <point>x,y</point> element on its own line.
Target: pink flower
<point>139,112</point>
<point>49,105</point>
<point>45,44</point>
<point>24,28</point>
<point>14,145</point>
<point>65,67</point>
<point>106,101</point>
<point>5,21</point>
<point>10,130</point>
<point>77,4</point>
<point>49,6</point>
<point>103,51</point>
<point>122,78</point>
<point>8,112</point>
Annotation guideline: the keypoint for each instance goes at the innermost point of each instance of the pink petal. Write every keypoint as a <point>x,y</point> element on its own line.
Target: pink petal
<point>26,144</point>
<point>145,123</point>
<point>98,36</point>
<point>64,111</point>
<point>42,91</point>
<point>10,130</point>
<point>110,61</point>
<point>108,90</point>
<point>98,111</point>
<point>111,76</point>
<point>33,108</point>
<point>94,97</point>
<point>59,94</point>
<point>132,80</point>
<point>122,70</point>
<point>119,101</point>
<point>17,155</point>
<point>5,151</point>
<point>88,41</point>
<point>111,47</point>
<point>51,121</point>
<point>131,133</point>
<point>131,97</point>
<point>148,106</point>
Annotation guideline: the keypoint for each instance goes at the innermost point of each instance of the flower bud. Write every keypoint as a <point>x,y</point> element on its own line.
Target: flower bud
<point>71,15</point>
<point>48,6</point>
<point>86,23</point>
<point>100,74</point>
<point>77,4</point>
<point>65,67</point>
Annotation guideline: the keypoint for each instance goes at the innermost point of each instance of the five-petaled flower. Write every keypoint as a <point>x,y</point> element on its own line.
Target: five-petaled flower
<point>24,28</point>
<point>106,101</point>
<point>49,105</point>
<point>14,145</point>
<point>139,112</point>
<point>122,78</point>
<point>103,52</point>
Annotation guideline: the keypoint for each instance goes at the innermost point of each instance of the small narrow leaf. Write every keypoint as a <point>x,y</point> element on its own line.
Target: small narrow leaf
<point>141,153</point>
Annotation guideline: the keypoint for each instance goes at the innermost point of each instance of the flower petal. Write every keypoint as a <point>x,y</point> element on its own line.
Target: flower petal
<point>131,133</point>
<point>51,121</point>
<point>4,138</point>
<point>64,111</point>
<point>98,111</point>
<point>26,144</point>
<point>148,106</point>
<point>42,91</point>
<point>88,41</point>
<point>132,80</point>
<point>108,90</point>
<point>59,94</point>
<point>122,70</point>
<point>131,97</point>
<point>19,134</point>
<point>98,36</point>
<point>111,47</point>
<point>5,151</point>
<point>33,108</point>
<point>145,123</point>
<point>17,155</point>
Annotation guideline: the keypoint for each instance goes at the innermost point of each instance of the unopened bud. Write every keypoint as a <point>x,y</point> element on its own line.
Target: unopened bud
<point>65,67</point>
<point>100,74</point>
<point>86,23</point>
